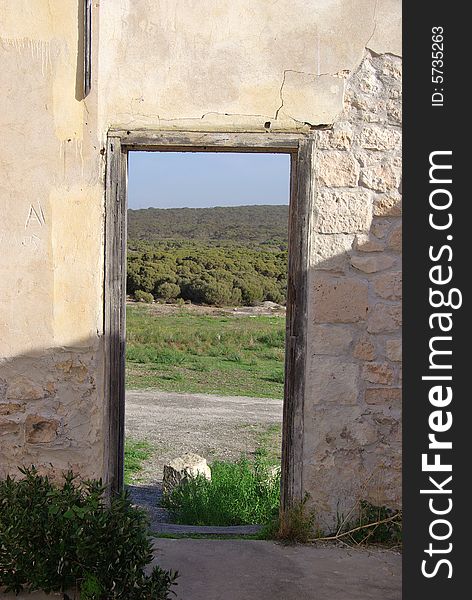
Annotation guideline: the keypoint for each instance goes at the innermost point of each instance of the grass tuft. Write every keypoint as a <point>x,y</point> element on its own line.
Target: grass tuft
<point>241,493</point>
<point>136,452</point>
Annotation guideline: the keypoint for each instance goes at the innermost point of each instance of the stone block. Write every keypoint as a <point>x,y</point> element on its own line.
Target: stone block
<point>380,227</point>
<point>8,408</point>
<point>388,205</point>
<point>364,349</point>
<point>331,339</point>
<point>383,396</point>
<point>384,318</point>
<point>183,468</point>
<point>369,243</point>
<point>395,239</point>
<point>372,264</point>
<point>378,373</point>
<point>330,252</point>
<point>343,211</point>
<point>394,111</point>
<point>339,299</point>
<point>40,430</point>
<point>22,388</point>
<point>333,380</point>
<point>337,138</point>
<point>336,169</point>
<point>382,177</point>
<point>376,137</point>
<point>9,426</point>
<point>393,350</point>
<point>388,285</point>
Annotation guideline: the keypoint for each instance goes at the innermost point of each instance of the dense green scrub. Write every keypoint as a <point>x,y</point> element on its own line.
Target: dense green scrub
<point>218,274</point>
<point>61,537</point>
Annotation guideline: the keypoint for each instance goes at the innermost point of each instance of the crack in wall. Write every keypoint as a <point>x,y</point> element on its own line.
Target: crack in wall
<point>341,74</point>
<point>374,19</point>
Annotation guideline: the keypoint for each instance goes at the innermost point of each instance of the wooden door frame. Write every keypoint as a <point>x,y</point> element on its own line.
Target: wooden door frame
<point>301,149</point>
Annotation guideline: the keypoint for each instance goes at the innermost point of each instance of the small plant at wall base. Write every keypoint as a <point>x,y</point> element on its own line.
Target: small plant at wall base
<point>295,525</point>
<point>58,538</point>
<point>373,525</point>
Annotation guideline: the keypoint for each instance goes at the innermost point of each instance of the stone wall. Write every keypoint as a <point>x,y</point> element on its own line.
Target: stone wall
<point>352,430</point>
<point>228,65</point>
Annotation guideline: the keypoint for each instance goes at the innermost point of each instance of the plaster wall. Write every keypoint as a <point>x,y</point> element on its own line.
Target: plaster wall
<point>239,65</point>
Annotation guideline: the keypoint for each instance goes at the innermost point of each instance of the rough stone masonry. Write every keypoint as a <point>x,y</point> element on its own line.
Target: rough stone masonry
<point>353,406</point>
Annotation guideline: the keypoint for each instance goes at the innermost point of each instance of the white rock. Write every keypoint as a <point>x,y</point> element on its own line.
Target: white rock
<point>182,468</point>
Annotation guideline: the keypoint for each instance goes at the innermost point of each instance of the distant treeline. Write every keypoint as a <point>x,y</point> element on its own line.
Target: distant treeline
<point>220,256</point>
<point>263,224</point>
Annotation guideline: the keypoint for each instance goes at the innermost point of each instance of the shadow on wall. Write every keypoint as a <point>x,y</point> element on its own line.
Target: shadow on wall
<point>52,410</point>
<point>352,412</point>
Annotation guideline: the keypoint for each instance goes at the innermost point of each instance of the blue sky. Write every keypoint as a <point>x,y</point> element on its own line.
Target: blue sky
<point>198,179</point>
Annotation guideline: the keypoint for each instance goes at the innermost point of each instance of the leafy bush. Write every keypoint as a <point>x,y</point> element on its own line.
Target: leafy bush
<point>141,296</point>
<point>241,493</point>
<point>168,291</point>
<point>54,538</point>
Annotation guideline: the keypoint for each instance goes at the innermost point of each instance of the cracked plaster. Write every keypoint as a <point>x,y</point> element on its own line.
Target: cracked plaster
<point>241,63</point>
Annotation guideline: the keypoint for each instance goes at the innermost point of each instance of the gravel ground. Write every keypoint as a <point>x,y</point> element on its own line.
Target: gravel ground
<point>216,427</point>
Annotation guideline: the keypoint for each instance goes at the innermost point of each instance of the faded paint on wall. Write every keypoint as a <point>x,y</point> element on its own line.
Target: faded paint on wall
<point>228,66</point>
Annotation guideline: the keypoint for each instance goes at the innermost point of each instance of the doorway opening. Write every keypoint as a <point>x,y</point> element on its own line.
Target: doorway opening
<point>206,308</point>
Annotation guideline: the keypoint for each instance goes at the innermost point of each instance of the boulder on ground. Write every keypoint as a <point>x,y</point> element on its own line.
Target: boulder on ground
<point>182,468</point>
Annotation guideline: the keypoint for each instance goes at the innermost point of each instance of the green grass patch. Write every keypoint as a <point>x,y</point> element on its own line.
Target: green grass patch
<point>136,453</point>
<point>241,493</point>
<point>187,352</point>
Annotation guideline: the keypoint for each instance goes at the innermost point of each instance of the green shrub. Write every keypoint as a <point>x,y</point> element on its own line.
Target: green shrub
<point>168,291</point>
<point>251,291</point>
<point>54,538</point>
<point>141,296</point>
<point>241,493</point>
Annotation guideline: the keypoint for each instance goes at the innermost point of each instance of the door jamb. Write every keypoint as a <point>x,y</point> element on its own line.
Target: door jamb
<point>301,149</point>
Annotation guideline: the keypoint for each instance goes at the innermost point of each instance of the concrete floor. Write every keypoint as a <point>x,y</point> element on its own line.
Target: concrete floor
<point>263,570</point>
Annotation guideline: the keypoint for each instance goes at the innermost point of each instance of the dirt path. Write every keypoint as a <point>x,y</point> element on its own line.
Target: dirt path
<point>263,309</point>
<point>216,427</point>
